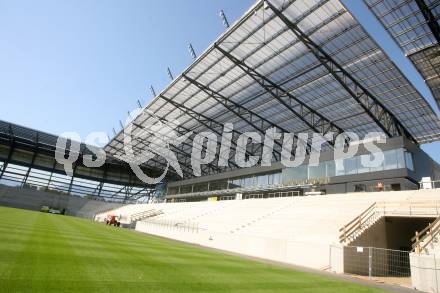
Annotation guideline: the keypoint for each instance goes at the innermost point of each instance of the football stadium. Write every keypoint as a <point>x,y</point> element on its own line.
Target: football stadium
<point>288,156</point>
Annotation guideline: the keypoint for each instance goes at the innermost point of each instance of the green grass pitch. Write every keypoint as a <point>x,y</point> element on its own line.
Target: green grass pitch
<point>51,253</point>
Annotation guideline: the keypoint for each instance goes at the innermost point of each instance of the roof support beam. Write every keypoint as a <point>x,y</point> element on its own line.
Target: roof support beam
<point>101,184</point>
<point>144,192</point>
<point>127,193</point>
<point>208,123</point>
<point>154,167</point>
<point>157,163</point>
<point>183,131</point>
<point>384,118</point>
<point>31,165</point>
<point>184,163</point>
<point>6,163</point>
<point>313,119</point>
<point>430,19</point>
<point>116,192</point>
<point>181,150</point>
<point>258,122</point>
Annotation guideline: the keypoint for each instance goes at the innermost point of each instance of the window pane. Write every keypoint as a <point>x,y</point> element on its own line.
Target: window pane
<point>250,181</point>
<point>277,179</point>
<point>234,183</point>
<point>390,160</point>
<point>350,166</point>
<point>340,169</point>
<point>316,172</point>
<point>173,190</point>
<point>218,185</point>
<point>378,168</point>
<point>361,167</point>
<point>400,158</point>
<point>186,189</point>
<point>201,187</point>
<point>331,172</point>
<point>293,174</point>
<point>409,161</point>
<point>262,180</point>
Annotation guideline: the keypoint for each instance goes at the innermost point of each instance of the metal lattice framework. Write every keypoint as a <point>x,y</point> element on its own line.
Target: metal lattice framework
<point>27,158</point>
<point>414,25</point>
<point>296,66</point>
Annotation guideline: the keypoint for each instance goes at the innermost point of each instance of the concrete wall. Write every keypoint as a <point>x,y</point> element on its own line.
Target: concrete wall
<point>309,254</point>
<point>31,199</point>
<point>425,272</point>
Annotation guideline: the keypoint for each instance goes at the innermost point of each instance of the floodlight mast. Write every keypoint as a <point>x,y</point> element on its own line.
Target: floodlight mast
<point>170,75</point>
<point>153,92</point>
<point>191,51</point>
<point>224,19</point>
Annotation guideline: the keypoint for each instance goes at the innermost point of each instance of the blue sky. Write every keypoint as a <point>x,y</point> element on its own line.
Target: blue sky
<point>81,65</point>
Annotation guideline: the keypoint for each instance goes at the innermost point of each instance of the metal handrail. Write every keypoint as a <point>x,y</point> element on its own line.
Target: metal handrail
<point>357,217</point>
<point>359,225</point>
<point>146,214</point>
<point>356,224</point>
<point>423,238</point>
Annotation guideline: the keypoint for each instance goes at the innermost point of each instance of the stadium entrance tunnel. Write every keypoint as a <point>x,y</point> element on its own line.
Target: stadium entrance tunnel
<point>382,250</point>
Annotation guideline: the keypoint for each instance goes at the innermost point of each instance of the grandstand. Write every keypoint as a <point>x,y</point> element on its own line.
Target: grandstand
<point>312,231</point>
<point>298,230</point>
<point>304,66</point>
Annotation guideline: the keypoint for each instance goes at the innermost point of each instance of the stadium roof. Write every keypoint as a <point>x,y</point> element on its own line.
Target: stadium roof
<point>414,26</point>
<point>28,156</point>
<point>299,66</point>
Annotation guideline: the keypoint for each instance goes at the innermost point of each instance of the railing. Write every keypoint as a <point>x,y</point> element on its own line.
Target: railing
<point>431,184</point>
<point>423,238</point>
<point>377,210</point>
<point>357,223</point>
<point>172,225</point>
<point>257,188</point>
<point>428,208</point>
<point>145,215</point>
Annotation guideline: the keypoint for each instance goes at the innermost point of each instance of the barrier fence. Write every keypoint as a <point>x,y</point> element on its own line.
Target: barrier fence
<point>380,264</point>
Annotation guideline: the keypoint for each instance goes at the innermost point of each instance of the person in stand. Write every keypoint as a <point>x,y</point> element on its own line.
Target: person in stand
<point>380,186</point>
